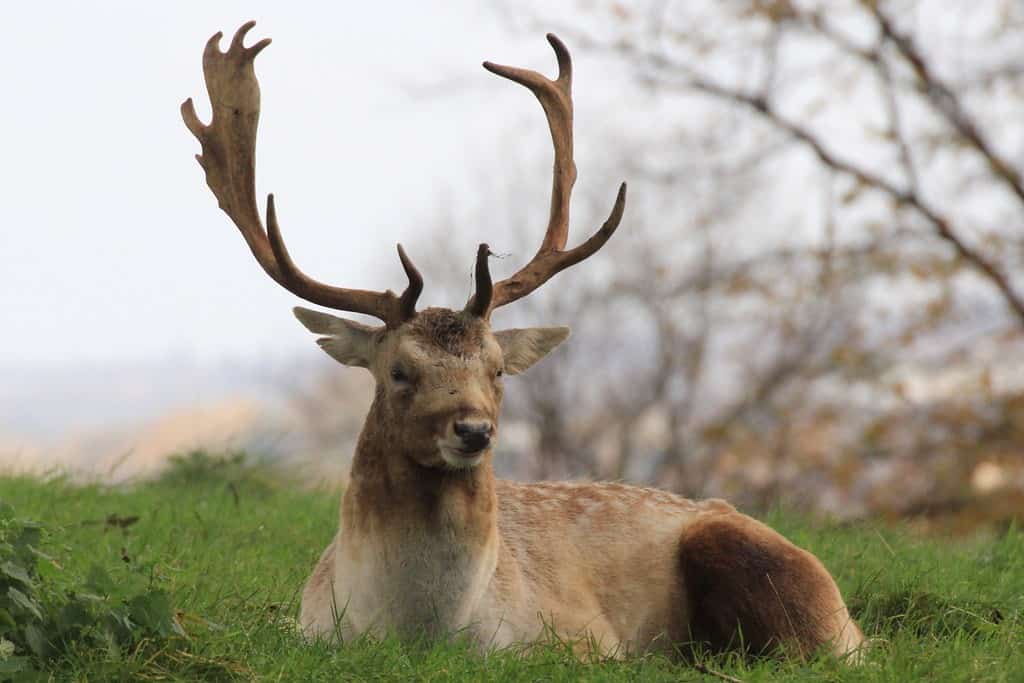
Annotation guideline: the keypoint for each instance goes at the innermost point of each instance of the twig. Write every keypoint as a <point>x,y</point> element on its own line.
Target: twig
<point>717,674</point>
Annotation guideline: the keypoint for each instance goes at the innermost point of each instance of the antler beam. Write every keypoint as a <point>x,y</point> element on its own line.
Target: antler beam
<point>229,159</point>
<point>555,97</point>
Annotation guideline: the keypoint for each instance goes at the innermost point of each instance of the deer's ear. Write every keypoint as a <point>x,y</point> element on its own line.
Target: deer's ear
<point>523,348</point>
<point>348,342</point>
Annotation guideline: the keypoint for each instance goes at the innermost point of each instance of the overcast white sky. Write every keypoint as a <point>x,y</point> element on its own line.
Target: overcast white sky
<point>376,116</point>
<point>114,248</point>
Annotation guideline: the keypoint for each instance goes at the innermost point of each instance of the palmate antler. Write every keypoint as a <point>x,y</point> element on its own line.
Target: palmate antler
<point>556,99</point>
<point>229,159</point>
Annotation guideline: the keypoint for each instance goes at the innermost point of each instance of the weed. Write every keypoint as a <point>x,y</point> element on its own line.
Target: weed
<point>47,613</point>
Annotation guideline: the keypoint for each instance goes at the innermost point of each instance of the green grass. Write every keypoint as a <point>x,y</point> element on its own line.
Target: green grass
<point>233,547</point>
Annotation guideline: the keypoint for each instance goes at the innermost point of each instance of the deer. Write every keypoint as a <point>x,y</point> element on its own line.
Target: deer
<point>430,543</point>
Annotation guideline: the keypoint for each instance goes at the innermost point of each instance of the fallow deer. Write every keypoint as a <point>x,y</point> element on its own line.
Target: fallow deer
<point>430,542</point>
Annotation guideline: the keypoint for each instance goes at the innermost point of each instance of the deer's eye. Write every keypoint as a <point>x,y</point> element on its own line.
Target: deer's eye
<point>499,373</point>
<point>399,375</point>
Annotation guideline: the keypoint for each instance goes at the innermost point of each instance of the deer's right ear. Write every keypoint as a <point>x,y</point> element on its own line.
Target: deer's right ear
<point>348,342</point>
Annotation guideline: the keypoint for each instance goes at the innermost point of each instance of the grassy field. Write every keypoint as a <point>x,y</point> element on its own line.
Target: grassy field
<point>232,547</point>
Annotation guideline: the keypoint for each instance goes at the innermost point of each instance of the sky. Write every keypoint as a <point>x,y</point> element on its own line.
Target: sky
<point>376,119</point>
<point>114,248</point>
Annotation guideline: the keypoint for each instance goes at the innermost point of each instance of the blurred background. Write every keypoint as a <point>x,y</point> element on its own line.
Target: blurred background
<point>814,298</point>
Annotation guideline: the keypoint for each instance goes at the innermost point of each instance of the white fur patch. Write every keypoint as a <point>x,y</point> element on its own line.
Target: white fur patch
<point>458,461</point>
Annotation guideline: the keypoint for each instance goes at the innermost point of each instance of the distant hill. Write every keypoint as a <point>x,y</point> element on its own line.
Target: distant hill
<point>44,403</point>
<point>120,421</point>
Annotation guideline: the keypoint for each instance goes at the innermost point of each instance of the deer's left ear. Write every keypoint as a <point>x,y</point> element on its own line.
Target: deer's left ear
<point>522,348</point>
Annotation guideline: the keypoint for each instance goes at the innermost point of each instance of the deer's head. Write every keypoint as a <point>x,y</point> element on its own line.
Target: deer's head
<point>439,376</point>
<point>438,371</point>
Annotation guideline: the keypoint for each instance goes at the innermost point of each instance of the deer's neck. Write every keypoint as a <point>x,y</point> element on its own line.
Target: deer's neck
<point>389,490</point>
<point>419,545</point>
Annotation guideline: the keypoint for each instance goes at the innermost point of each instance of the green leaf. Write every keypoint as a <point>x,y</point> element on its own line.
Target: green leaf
<point>99,580</point>
<point>153,611</point>
<point>36,641</point>
<point>73,615</point>
<point>118,626</point>
<point>16,572</point>
<point>29,536</point>
<point>13,665</point>
<point>39,553</point>
<point>30,532</point>
<point>24,602</point>
<point>6,621</point>
<point>30,524</point>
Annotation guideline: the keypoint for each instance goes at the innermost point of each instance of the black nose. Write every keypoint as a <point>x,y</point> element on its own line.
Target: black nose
<point>475,435</point>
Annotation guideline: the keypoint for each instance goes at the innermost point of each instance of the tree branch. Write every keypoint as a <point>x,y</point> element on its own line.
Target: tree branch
<point>946,101</point>
<point>904,197</point>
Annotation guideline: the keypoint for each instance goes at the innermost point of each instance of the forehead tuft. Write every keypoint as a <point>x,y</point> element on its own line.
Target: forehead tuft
<point>454,332</point>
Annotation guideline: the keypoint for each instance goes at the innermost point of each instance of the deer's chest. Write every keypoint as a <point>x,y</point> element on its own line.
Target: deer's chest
<point>411,581</point>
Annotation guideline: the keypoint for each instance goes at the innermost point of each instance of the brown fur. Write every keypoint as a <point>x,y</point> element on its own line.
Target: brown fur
<point>749,587</point>
<point>454,332</point>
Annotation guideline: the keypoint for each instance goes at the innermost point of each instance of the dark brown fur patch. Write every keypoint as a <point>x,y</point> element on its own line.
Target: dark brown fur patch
<point>748,586</point>
<point>454,332</point>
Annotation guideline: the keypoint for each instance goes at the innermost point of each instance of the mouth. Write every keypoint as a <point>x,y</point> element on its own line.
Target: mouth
<point>461,458</point>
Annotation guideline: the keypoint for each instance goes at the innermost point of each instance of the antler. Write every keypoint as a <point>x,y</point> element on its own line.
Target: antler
<point>556,99</point>
<point>229,159</point>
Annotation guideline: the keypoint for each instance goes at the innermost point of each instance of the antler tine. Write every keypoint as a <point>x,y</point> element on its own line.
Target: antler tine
<point>229,159</point>
<point>407,302</point>
<point>555,97</point>
<point>480,304</point>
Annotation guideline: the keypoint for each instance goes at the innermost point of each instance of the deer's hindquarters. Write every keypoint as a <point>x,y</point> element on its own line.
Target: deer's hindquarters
<point>748,587</point>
